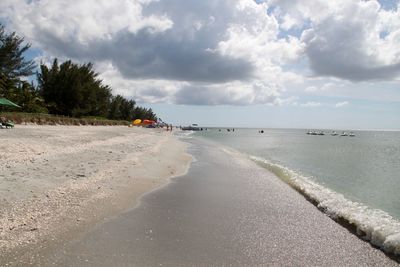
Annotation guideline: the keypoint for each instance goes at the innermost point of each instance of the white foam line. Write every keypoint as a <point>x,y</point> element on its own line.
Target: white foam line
<point>184,134</point>
<point>373,225</point>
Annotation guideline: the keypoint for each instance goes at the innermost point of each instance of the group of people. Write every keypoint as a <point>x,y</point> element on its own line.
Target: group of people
<point>169,127</point>
<point>5,123</point>
<point>228,130</point>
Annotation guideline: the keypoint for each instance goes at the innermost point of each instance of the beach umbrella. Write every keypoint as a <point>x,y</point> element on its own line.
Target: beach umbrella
<point>6,102</point>
<point>137,121</point>
<point>148,122</point>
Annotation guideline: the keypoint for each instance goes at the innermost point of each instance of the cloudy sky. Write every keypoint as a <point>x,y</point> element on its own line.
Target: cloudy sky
<point>272,63</point>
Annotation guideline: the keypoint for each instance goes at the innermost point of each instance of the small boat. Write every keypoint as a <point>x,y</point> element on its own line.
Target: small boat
<point>193,127</point>
<point>321,133</point>
<point>344,134</point>
<point>351,134</point>
<point>334,133</point>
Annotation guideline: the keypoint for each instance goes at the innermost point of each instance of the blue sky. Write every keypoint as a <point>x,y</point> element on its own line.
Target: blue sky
<point>240,63</point>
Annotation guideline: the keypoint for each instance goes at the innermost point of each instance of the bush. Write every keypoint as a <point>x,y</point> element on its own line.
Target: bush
<point>46,119</point>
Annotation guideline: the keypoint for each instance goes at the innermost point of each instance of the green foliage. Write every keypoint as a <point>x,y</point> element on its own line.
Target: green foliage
<point>143,114</point>
<point>48,119</point>
<point>27,97</point>
<point>30,100</point>
<point>67,89</point>
<point>13,67</point>
<point>12,63</point>
<point>121,108</point>
<point>73,90</point>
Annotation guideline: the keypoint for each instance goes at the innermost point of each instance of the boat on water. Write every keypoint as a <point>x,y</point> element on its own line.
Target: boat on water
<point>315,132</point>
<point>344,134</point>
<point>334,133</point>
<point>351,134</point>
<point>193,127</point>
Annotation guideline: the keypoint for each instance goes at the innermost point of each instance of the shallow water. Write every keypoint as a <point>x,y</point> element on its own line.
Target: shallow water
<point>364,168</point>
<point>226,211</point>
<point>352,179</point>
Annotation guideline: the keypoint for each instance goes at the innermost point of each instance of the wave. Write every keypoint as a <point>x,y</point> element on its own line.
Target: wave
<point>184,134</point>
<point>373,225</point>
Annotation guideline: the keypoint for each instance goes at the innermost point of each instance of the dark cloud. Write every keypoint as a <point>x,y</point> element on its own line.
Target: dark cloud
<point>155,92</point>
<point>181,53</point>
<point>205,52</point>
<point>160,56</point>
<point>324,65</point>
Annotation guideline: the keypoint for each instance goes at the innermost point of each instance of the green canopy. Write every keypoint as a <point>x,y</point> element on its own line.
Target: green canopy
<point>6,102</point>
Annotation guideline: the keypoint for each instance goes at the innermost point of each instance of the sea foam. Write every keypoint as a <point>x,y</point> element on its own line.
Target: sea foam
<point>373,225</point>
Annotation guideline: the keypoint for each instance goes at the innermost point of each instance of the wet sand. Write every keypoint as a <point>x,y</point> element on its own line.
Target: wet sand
<point>226,211</point>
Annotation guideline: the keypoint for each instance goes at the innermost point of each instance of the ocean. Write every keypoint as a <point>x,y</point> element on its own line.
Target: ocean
<point>352,179</point>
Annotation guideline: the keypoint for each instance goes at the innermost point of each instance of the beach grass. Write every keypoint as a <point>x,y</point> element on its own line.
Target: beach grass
<point>48,119</point>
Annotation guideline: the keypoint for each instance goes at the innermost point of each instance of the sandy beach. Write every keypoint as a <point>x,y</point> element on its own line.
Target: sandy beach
<point>59,181</point>
<point>101,196</point>
<point>226,211</point>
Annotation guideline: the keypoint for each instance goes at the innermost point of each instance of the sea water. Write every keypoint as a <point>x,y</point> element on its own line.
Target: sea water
<point>356,179</point>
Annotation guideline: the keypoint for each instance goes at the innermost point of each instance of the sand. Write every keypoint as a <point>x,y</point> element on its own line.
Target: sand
<point>226,211</point>
<point>94,196</point>
<point>58,181</point>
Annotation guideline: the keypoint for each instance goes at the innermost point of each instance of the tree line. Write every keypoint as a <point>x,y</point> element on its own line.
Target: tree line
<point>66,88</point>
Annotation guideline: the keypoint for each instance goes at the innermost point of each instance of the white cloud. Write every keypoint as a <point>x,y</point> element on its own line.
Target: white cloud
<point>286,101</point>
<point>343,38</point>
<point>81,21</point>
<point>329,86</point>
<point>181,92</point>
<point>311,104</point>
<point>234,52</point>
<point>311,89</point>
<point>224,52</point>
<point>289,22</point>
<point>142,90</point>
<point>341,104</point>
<point>257,38</point>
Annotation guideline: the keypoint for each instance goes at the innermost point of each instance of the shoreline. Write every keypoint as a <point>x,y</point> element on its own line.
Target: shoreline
<point>70,178</point>
<point>226,211</point>
<point>381,233</point>
<point>110,186</point>
<point>374,226</point>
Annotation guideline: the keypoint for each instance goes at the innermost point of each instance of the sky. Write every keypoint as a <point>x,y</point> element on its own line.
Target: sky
<point>236,63</point>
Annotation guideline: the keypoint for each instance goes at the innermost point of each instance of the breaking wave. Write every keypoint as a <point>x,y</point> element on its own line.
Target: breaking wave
<point>373,225</point>
<point>184,134</point>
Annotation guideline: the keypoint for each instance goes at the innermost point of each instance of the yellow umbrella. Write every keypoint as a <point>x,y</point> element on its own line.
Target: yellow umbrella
<point>137,121</point>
